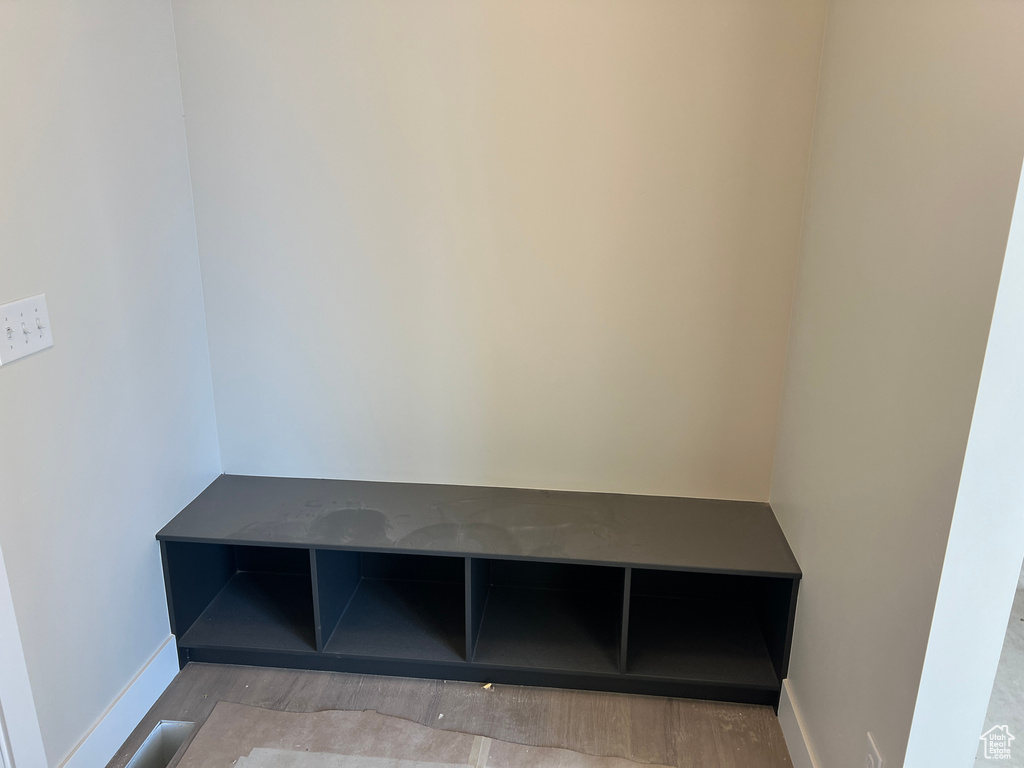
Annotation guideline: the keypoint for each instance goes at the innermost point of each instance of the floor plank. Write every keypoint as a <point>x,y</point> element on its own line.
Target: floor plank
<point>679,732</point>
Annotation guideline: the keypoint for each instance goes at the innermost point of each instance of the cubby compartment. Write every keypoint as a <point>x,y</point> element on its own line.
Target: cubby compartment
<point>713,629</point>
<point>240,597</point>
<point>395,606</point>
<point>550,616</point>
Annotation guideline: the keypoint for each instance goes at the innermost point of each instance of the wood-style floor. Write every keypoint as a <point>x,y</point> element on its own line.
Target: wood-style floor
<point>675,732</point>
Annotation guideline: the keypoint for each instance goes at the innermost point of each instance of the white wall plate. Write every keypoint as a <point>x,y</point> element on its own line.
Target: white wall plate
<point>24,328</point>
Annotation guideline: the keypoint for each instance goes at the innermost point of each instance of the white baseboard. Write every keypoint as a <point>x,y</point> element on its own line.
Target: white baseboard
<point>116,724</point>
<point>795,731</point>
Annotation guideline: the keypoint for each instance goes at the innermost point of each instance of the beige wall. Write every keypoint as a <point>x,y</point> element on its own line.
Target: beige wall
<point>918,145</point>
<point>544,243</point>
<point>109,433</point>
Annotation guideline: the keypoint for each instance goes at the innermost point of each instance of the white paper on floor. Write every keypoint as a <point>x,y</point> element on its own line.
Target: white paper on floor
<point>237,736</point>
<point>282,758</point>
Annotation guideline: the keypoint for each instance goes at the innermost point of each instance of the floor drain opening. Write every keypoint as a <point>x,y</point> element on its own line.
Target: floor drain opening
<point>161,744</point>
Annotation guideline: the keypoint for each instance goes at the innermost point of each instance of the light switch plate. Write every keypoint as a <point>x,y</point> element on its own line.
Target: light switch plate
<point>24,328</point>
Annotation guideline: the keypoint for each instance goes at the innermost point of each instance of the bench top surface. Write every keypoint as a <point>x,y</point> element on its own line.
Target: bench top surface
<point>709,535</point>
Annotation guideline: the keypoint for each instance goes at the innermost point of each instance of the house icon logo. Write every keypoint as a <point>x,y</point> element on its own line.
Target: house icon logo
<point>997,742</point>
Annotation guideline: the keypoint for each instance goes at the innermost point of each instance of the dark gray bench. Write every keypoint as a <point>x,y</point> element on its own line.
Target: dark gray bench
<point>642,594</point>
